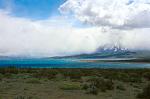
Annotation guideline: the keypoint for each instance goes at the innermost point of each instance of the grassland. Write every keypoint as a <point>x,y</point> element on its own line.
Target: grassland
<point>30,83</point>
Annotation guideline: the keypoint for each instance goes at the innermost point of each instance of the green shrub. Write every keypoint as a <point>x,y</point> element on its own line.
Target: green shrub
<point>129,77</point>
<point>45,73</point>
<point>92,90</point>
<point>102,84</point>
<point>147,75</point>
<point>96,84</point>
<point>135,77</point>
<point>1,76</point>
<point>145,94</point>
<point>59,77</point>
<point>21,76</point>
<point>23,97</point>
<point>76,75</point>
<point>136,85</point>
<point>123,77</point>
<point>120,87</point>
<point>7,75</point>
<point>34,81</point>
<point>70,86</point>
<point>85,86</point>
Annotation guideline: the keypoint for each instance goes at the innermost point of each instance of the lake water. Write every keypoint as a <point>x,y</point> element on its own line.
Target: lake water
<point>66,63</point>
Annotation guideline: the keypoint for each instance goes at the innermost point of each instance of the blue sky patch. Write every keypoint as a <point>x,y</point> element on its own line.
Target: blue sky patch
<point>34,9</point>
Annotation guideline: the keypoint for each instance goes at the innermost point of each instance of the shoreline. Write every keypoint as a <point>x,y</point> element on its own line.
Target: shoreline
<point>125,60</point>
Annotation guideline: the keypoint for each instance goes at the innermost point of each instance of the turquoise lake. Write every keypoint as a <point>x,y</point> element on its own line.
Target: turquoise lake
<point>66,63</point>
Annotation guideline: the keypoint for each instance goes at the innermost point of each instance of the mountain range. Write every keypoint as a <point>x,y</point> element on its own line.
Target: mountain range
<point>113,53</point>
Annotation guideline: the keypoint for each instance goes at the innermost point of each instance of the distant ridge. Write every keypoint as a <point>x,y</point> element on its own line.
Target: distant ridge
<point>114,52</point>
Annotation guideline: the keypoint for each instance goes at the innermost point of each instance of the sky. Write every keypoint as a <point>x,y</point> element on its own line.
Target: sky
<point>34,9</point>
<point>46,28</point>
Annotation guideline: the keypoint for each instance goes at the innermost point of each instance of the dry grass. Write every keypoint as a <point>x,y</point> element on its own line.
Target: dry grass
<point>73,83</point>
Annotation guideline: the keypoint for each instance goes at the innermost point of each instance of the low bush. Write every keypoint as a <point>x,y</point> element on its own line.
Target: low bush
<point>59,77</point>
<point>34,81</point>
<point>23,97</point>
<point>1,76</point>
<point>147,75</point>
<point>102,84</point>
<point>85,86</point>
<point>120,87</point>
<point>92,90</point>
<point>94,85</point>
<point>75,75</point>
<point>70,86</point>
<point>7,75</point>
<point>21,76</point>
<point>45,73</point>
<point>145,94</point>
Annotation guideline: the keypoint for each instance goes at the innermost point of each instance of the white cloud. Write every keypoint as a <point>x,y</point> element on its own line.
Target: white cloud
<point>122,14</point>
<point>56,36</point>
<point>20,36</point>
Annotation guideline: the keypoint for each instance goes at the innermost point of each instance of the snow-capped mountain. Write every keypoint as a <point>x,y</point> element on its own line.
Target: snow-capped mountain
<point>111,52</point>
<point>111,49</point>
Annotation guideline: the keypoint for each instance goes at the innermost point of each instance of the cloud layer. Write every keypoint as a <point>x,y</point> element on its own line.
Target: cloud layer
<point>113,13</point>
<point>113,22</point>
<point>51,37</point>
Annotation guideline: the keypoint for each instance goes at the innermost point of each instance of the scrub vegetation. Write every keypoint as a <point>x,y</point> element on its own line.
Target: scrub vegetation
<point>29,83</point>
